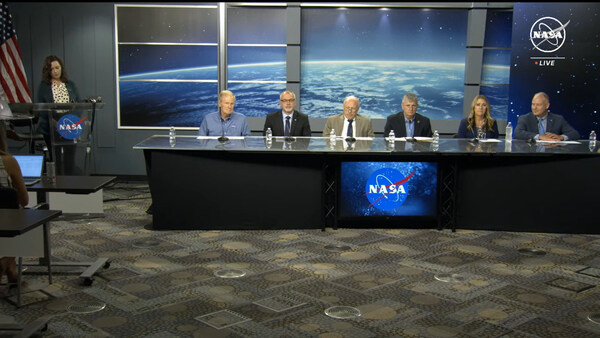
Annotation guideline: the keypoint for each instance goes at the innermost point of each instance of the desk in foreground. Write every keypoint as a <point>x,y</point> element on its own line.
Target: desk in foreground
<point>73,194</point>
<point>250,183</point>
<point>21,236</point>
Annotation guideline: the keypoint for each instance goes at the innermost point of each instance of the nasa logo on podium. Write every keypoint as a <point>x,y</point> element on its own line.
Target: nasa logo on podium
<point>547,35</point>
<point>386,188</point>
<point>70,127</point>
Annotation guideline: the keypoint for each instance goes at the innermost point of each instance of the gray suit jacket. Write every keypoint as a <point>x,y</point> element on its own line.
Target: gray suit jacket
<point>527,127</point>
<point>363,125</point>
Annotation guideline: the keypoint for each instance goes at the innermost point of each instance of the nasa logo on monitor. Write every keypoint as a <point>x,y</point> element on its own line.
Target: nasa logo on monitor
<point>386,188</point>
<point>548,34</point>
<point>70,127</point>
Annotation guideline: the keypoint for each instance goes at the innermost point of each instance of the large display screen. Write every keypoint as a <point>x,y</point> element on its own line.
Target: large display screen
<point>395,192</point>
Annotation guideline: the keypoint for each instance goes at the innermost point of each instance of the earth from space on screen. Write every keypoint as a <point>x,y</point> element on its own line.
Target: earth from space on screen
<point>379,84</point>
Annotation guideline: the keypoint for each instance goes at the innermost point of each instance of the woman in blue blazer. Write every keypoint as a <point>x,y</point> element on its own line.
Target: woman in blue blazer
<point>479,120</point>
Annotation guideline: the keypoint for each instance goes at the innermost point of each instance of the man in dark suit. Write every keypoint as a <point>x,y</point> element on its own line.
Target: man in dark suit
<point>294,124</point>
<point>542,125</point>
<point>408,123</point>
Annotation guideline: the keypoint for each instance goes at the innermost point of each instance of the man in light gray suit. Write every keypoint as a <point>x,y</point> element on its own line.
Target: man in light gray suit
<point>542,125</point>
<point>349,123</point>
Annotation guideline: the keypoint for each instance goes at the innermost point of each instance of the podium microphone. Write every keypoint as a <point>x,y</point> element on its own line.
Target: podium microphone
<point>350,139</point>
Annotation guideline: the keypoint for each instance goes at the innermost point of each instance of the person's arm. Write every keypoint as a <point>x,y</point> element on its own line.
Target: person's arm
<point>245,128</point>
<point>387,128</point>
<point>568,132</point>
<point>14,171</point>
<point>462,129</point>
<point>267,125</point>
<point>521,132</point>
<point>306,128</point>
<point>494,132</point>
<point>427,131</point>
<point>75,92</point>
<point>203,130</point>
<point>327,128</point>
<point>370,132</point>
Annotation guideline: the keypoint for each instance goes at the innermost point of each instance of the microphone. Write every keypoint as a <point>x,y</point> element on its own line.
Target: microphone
<point>223,138</point>
<point>289,139</point>
<point>411,139</point>
<point>531,141</point>
<point>474,140</point>
<point>350,139</point>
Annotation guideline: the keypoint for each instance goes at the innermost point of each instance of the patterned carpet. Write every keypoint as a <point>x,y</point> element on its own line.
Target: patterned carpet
<point>404,283</point>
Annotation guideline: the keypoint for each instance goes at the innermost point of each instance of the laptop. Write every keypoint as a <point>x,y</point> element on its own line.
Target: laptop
<point>31,167</point>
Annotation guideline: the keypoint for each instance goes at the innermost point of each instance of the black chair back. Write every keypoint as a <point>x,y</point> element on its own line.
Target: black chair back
<point>8,198</point>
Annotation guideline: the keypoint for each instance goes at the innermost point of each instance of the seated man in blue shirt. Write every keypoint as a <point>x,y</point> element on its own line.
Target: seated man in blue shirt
<point>225,122</point>
<point>542,125</point>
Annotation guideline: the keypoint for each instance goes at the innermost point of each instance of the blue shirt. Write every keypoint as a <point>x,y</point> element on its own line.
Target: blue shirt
<point>214,125</point>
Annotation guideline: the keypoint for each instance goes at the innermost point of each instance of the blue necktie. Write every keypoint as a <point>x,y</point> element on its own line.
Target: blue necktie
<point>411,129</point>
<point>349,134</point>
<point>286,132</point>
<point>541,127</point>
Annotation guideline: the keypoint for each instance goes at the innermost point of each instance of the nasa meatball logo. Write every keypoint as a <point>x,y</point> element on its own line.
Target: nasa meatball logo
<point>70,127</point>
<point>386,188</point>
<point>548,34</point>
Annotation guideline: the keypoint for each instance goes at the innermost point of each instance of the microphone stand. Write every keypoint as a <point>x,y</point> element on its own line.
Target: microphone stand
<point>223,138</point>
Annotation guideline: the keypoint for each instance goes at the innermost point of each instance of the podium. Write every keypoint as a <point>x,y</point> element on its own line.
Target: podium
<point>70,127</point>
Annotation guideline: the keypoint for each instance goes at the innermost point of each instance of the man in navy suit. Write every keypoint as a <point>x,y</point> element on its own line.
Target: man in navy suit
<point>542,125</point>
<point>408,123</point>
<point>287,121</point>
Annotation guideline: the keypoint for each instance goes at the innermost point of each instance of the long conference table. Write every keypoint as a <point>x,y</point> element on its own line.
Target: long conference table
<point>249,183</point>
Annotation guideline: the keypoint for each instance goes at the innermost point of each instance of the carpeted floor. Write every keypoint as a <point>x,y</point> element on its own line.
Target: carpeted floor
<point>404,283</point>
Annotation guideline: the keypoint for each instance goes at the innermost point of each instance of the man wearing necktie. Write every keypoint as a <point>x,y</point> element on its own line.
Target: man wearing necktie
<point>349,123</point>
<point>542,125</point>
<point>408,123</point>
<point>287,121</point>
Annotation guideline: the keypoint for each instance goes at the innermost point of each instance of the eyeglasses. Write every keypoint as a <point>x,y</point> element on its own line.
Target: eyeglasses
<point>288,101</point>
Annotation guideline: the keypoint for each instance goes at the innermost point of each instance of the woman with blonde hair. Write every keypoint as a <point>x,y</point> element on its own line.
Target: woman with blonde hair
<point>479,124</point>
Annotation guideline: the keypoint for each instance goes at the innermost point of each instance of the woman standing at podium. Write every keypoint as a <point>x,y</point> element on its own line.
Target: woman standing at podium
<point>10,177</point>
<point>54,88</point>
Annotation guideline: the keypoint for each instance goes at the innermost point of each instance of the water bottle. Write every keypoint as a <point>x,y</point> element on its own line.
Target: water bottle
<point>51,171</point>
<point>508,137</point>
<point>332,135</point>
<point>592,140</point>
<point>436,137</point>
<point>172,134</point>
<point>269,134</point>
<point>392,137</point>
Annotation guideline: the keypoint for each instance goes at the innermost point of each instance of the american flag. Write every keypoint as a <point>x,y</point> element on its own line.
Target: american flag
<point>12,73</point>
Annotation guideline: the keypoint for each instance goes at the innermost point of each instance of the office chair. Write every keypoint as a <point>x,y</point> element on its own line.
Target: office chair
<point>8,198</point>
<point>28,135</point>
